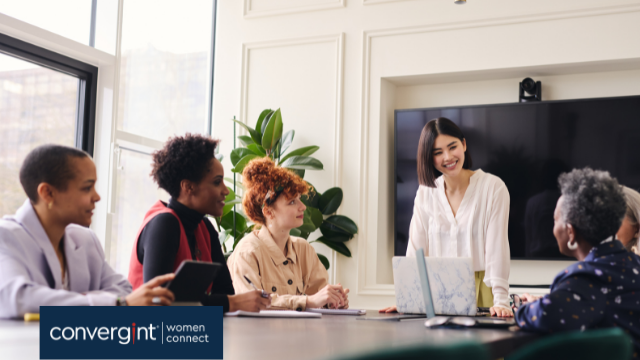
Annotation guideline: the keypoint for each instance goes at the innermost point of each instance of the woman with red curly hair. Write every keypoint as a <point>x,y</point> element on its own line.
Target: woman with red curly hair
<point>283,265</point>
<point>178,230</point>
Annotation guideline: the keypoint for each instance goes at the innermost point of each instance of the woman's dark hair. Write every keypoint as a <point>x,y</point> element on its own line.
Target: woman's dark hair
<point>593,202</point>
<point>49,164</point>
<point>440,126</point>
<point>182,157</point>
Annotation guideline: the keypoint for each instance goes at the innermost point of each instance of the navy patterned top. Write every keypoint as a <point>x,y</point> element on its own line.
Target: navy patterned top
<point>601,291</point>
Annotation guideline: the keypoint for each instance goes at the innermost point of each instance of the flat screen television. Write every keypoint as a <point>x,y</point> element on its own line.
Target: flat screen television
<point>527,145</point>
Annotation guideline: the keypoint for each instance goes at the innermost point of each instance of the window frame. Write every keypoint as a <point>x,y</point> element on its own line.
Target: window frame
<point>86,74</point>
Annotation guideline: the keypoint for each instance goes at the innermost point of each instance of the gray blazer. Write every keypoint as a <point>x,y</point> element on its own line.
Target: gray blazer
<point>30,271</point>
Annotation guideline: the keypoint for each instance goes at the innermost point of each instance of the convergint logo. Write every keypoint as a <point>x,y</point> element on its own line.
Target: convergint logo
<point>130,332</point>
<point>125,335</point>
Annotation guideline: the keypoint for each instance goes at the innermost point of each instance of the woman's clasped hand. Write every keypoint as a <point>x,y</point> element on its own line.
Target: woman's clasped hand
<point>333,296</point>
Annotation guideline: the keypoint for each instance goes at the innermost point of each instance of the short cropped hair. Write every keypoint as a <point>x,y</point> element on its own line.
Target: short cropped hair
<point>439,126</point>
<point>593,203</point>
<point>261,176</point>
<point>185,157</point>
<point>49,164</point>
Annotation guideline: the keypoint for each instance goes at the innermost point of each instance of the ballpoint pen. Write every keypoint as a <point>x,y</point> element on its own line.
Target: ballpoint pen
<point>264,294</point>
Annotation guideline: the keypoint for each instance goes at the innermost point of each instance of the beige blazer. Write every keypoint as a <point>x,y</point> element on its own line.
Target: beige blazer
<point>291,276</point>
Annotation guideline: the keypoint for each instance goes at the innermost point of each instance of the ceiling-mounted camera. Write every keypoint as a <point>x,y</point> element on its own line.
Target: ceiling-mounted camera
<point>531,87</point>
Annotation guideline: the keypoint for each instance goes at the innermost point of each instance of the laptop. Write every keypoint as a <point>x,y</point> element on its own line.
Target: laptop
<point>442,286</point>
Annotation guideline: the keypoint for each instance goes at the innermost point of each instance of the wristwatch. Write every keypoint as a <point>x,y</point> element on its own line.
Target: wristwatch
<point>120,301</point>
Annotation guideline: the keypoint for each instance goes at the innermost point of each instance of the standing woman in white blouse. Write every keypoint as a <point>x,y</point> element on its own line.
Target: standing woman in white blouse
<point>463,213</point>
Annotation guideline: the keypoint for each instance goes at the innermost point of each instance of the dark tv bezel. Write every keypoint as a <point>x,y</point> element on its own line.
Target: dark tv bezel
<point>531,103</point>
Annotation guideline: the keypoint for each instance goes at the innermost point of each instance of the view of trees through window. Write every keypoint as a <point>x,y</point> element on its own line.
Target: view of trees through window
<point>37,106</point>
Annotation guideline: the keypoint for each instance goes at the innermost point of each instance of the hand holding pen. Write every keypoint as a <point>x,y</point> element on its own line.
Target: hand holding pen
<point>264,294</point>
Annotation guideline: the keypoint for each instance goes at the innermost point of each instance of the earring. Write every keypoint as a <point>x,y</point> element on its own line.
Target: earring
<point>572,245</point>
<point>50,205</point>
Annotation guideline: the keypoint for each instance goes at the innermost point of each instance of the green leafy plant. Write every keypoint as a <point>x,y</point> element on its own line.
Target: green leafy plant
<point>267,140</point>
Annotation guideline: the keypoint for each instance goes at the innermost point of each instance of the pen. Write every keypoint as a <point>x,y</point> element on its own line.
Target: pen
<point>264,294</point>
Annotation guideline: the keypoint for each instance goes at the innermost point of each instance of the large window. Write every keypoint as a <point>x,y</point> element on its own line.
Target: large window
<point>157,83</point>
<point>89,22</point>
<point>165,90</point>
<point>44,98</point>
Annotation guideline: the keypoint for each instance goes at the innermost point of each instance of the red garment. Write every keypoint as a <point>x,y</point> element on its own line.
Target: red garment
<point>203,243</point>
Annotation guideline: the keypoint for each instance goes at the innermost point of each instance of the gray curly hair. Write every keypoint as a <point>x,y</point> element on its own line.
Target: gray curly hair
<point>593,203</point>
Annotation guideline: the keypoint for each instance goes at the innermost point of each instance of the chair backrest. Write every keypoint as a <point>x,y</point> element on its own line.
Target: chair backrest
<point>458,351</point>
<point>599,344</point>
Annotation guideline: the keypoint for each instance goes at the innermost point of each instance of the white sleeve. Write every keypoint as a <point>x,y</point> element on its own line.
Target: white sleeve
<point>497,255</point>
<point>418,229</point>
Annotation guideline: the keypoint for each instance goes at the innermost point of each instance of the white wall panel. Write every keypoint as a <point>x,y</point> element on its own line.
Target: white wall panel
<point>256,8</point>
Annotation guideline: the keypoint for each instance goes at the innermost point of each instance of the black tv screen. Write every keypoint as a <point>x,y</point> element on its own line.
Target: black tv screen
<point>527,145</point>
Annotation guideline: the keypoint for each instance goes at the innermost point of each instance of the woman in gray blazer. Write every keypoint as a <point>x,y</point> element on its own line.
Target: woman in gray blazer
<point>48,255</point>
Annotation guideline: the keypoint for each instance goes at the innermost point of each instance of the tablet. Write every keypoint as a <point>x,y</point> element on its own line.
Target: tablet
<point>192,280</point>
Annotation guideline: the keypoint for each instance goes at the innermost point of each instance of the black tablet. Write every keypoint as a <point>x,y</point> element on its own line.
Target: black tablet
<point>192,280</point>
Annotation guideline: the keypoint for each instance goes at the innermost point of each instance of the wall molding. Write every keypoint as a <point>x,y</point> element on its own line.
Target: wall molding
<point>375,2</point>
<point>248,13</point>
<point>338,40</point>
<point>366,281</point>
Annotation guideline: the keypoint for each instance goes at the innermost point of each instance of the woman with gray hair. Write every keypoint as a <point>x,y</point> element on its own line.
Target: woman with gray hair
<point>602,289</point>
<point>629,231</point>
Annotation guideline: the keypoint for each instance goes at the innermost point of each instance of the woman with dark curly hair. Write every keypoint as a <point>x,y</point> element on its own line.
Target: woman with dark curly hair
<point>171,233</point>
<point>602,289</point>
<point>284,265</point>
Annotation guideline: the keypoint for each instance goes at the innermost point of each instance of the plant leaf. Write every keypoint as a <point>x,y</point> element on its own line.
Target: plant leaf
<point>261,118</point>
<point>255,136</point>
<point>307,225</point>
<point>303,151</point>
<point>239,153</point>
<point>330,201</point>
<point>316,216</point>
<point>222,237</point>
<point>257,149</point>
<point>228,205</point>
<point>302,163</point>
<point>287,139</point>
<point>324,261</point>
<point>243,162</point>
<point>295,232</point>
<point>227,223</point>
<point>342,224</point>
<point>238,184</point>
<point>337,238</point>
<point>273,131</point>
<point>298,172</point>
<point>266,121</point>
<point>245,140</point>
<point>337,246</point>
<point>312,198</point>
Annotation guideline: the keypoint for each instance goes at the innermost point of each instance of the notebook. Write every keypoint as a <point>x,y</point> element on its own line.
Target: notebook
<point>450,282</point>
<point>339,311</point>
<point>274,314</point>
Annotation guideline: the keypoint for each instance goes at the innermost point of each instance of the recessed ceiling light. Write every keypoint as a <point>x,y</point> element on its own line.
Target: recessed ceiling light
<point>460,2</point>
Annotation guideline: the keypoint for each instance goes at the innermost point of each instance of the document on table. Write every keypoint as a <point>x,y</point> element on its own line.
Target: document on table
<point>338,311</point>
<point>274,314</point>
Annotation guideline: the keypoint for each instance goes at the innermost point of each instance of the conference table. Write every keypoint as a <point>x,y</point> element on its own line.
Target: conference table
<point>326,338</point>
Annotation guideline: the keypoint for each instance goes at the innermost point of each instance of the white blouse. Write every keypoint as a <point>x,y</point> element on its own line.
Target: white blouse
<point>478,230</point>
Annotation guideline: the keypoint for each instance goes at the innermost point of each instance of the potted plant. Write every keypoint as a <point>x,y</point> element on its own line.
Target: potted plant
<point>267,140</point>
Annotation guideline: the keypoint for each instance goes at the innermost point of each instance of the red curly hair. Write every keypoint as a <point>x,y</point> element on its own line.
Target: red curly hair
<point>262,175</point>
